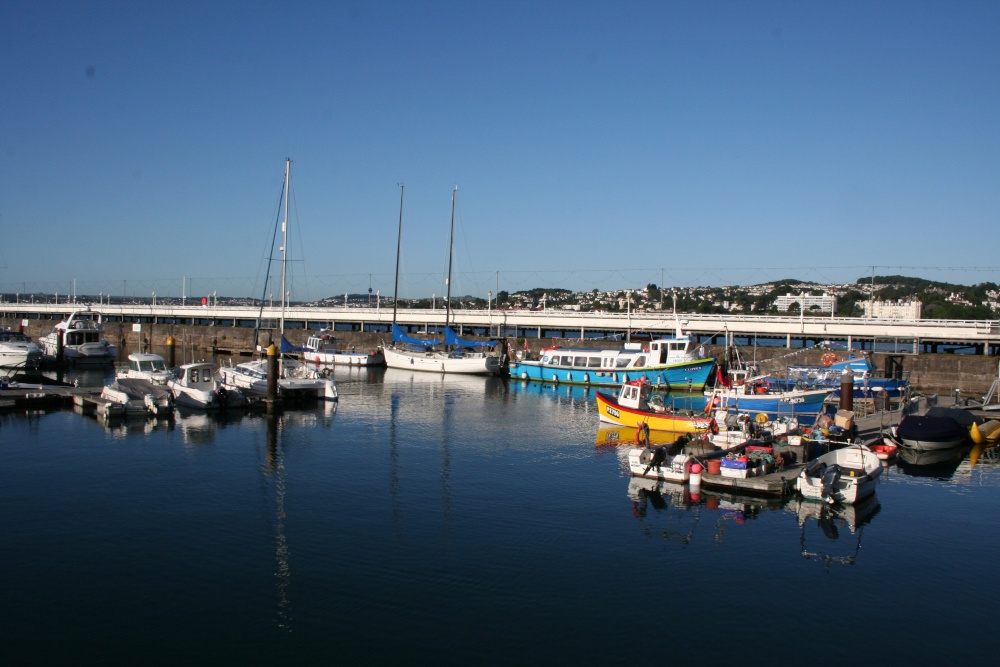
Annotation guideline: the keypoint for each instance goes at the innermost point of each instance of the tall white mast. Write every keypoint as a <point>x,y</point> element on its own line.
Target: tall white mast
<point>451,253</point>
<point>284,245</point>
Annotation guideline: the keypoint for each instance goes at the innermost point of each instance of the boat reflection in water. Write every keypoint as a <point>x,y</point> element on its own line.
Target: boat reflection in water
<point>680,509</point>
<point>939,463</point>
<point>831,519</point>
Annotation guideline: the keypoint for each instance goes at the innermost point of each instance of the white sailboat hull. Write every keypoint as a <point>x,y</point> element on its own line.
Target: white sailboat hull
<point>440,362</point>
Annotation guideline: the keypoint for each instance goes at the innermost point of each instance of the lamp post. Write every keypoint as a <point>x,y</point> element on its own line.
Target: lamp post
<point>628,312</point>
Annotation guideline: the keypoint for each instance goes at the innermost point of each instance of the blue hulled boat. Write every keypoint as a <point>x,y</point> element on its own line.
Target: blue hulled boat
<point>664,362</point>
<point>868,381</point>
<point>760,394</point>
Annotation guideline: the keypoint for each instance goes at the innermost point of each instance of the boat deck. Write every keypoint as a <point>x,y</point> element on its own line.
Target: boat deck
<point>777,483</point>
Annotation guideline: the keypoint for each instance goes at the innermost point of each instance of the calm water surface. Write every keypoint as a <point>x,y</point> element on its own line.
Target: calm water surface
<point>430,520</point>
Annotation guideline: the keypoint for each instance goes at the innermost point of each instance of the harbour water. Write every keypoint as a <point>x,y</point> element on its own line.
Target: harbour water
<point>446,520</point>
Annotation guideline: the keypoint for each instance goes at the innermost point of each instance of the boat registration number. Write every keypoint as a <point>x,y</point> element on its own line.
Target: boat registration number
<point>614,413</point>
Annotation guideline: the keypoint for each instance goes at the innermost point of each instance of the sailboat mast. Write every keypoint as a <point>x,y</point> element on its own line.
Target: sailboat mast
<point>399,240</point>
<point>284,243</point>
<point>451,253</point>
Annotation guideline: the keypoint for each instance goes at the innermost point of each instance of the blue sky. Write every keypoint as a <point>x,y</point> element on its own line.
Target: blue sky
<point>594,144</point>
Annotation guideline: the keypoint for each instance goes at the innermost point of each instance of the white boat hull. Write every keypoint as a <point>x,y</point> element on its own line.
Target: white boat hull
<point>439,362</point>
<point>644,462</point>
<point>344,358</point>
<point>844,475</point>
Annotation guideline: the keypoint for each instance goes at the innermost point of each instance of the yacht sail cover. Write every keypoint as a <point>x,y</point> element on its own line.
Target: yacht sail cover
<point>287,347</point>
<point>451,338</point>
<point>399,337</point>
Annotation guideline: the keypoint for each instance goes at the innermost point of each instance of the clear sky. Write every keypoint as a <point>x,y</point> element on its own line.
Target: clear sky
<point>594,144</point>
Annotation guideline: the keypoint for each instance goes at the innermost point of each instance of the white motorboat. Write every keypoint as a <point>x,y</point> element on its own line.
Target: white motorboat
<point>458,356</point>
<point>80,338</point>
<point>658,463</point>
<point>844,475</point>
<point>146,366</point>
<point>322,349</point>
<point>140,397</point>
<point>18,351</point>
<point>294,380</point>
<point>196,385</point>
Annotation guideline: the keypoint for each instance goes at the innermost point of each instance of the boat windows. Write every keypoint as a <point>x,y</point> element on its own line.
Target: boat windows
<point>580,361</point>
<point>622,362</point>
<point>594,362</point>
<point>566,360</point>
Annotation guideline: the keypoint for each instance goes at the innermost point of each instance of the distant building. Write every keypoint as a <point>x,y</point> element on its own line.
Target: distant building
<point>826,303</point>
<point>894,310</point>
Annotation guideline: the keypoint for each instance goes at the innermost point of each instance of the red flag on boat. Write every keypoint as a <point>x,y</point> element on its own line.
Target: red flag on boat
<point>721,379</point>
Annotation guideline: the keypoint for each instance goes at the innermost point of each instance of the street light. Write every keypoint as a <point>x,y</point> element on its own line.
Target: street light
<point>628,312</point>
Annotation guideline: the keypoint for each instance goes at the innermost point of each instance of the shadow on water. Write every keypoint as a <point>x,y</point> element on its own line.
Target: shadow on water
<point>938,463</point>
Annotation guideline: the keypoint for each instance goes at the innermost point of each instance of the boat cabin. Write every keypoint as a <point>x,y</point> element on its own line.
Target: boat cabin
<point>147,366</point>
<point>638,395</point>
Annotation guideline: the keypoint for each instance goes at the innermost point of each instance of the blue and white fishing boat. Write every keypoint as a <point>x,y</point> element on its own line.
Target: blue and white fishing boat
<point>759,395</point>
<point>868,380</point>
<point>666,362</point>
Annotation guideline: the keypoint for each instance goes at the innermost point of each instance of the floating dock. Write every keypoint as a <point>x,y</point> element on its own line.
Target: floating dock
<point>777,483</point>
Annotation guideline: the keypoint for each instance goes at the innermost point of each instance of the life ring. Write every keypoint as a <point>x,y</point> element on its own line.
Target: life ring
<point>828,358</point>
<point>642,434</point>
<point>760,418</point>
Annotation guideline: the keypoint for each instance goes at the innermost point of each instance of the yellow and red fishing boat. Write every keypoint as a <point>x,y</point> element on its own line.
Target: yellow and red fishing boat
<point>636,404</point>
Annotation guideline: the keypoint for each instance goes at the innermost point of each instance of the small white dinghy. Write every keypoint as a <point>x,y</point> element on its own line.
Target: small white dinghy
<point>844,475</point>
<point>658,463</point>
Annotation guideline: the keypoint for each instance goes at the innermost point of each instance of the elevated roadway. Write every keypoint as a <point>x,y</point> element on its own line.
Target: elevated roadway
<point>906,336</point>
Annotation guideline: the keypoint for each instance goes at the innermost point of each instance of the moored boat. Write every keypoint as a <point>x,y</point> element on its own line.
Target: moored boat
<point>867,381</point>
<point>139,396</point>
<point>459,356</point>
<point>659,463</point>
<point>196,385</point>
<point>664,362</point>
<point>636,404</point>
<point>844,475</point>
<point>146,366</point>
<point>931,432</point>
<point>80,339</point>
<point>883,447</point>
<point>757,395</point>
<point>17,350</point>
<point>322,349</point>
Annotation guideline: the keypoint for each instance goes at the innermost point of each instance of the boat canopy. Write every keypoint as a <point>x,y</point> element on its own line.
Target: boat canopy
<point>399,337</point>
<point>451,338</point>
<point>287,347</point>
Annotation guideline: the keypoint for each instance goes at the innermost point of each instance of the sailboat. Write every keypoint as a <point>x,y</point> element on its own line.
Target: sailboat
<point>458,355</point>
<point>295,380</point>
